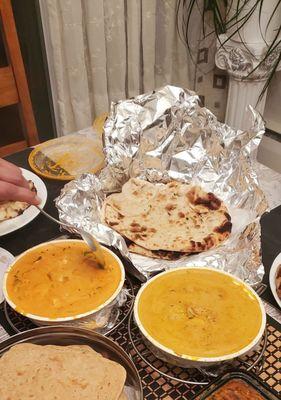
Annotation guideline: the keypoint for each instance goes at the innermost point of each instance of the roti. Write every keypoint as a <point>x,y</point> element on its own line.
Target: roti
<point>173,217</point>
<point>123,396</point>
<point>11,209</point>
<point>31,371</point>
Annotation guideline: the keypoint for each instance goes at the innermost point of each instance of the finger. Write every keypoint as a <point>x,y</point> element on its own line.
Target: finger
<point>11,192</point>
<point>12,174</point>
<point>7,165</point>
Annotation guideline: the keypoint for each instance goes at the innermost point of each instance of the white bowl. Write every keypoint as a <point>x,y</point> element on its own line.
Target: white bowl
<point>84,317</point>
<point>272,277</point>
<point>184,360</point>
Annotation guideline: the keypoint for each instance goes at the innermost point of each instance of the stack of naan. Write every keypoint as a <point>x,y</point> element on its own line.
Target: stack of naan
<point>31,371</point>
<point>167,220</point>
<point>11,209</point>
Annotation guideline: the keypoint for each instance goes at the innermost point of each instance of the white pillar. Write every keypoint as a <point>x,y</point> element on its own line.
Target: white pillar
<point>239,60</point>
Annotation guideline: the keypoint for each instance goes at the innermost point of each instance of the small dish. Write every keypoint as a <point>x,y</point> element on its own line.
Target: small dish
<point>13,224</point>
<point>66,157</point>
<point>272,278</point>
<point>181,312</point>
<point>65,336</point>
<point>6,259</point>
<point>257,388</point>
<point>103,308</point>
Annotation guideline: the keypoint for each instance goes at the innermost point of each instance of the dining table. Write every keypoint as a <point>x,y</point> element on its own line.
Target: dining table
<point>160,381</point>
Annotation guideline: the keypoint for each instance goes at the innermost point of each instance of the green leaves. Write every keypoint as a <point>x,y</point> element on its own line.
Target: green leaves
<point>224,18</point>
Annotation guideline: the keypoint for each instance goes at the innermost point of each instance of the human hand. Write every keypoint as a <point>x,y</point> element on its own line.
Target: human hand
<point>13,186</point>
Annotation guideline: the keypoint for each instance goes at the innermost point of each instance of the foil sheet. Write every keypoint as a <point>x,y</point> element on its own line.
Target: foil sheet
<point>166,135</point>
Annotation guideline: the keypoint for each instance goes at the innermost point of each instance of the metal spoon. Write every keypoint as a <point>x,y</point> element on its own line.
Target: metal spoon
<point>86,236</point>
<point>97,249</point>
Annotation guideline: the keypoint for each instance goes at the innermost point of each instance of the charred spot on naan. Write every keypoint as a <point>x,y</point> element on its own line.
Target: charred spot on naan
<point>224,228</point>
<point>228,217</point>
<point>170,207</point>
<point>135,227</point>
<point>113,223</point>
<point>208,200</point>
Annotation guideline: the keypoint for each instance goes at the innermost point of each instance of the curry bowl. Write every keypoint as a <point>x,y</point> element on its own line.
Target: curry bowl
<point>60,282</point>
<point>197,316</point>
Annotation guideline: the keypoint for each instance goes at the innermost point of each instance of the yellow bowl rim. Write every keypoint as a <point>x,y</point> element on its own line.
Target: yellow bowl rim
<point>38,171</point>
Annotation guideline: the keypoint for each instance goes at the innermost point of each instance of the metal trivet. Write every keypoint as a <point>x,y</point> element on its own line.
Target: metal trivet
<point>190,376</point>
<point>19,323</point>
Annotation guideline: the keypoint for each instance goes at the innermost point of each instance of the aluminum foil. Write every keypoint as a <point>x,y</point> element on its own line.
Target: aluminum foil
<point>166,135</point>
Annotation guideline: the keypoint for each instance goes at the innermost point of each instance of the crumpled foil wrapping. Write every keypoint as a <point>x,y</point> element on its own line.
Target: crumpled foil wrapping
<point>166,135</point>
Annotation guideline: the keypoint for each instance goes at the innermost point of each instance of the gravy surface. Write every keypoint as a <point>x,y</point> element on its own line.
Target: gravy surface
<point>200,313</point>
<point>61,280</point>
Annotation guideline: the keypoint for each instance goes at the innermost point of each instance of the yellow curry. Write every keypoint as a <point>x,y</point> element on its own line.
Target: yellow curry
<point>61,280</point>
<point>200,313</point>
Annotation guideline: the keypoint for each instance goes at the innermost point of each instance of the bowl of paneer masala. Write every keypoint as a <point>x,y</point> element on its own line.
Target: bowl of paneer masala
<point>61,281</point>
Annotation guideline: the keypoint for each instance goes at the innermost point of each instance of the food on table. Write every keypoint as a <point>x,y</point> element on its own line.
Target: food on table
<point>30,371</point>
<point>236,389</point>
<point>198,312</point>
<point>163,254</point>
<point>62,279</point>
<point>11,209</point>
<point>278,282</point>
<point>173,217</point>
<point>66,157</point>
<point>123,396</point>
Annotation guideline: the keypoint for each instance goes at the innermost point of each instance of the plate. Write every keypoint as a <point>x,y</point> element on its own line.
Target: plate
<point>6,260</point>
<point>67,157</point>
<point>63,336</point>
<point>252,382</point>
<point>31,212</point>
<point>272,274</point>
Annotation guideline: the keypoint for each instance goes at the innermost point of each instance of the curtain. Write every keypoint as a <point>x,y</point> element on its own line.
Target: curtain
<point>106,50</point>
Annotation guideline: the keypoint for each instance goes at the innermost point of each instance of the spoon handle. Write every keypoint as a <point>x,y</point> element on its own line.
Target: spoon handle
<point>131,269</point>
<point>54,219</point>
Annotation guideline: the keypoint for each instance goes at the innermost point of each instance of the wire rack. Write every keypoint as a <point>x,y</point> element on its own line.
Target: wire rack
<point>190,376</point>
<point>164,381</point>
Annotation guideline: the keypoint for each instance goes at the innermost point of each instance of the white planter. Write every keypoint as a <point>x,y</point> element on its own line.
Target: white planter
<point>241,54</point>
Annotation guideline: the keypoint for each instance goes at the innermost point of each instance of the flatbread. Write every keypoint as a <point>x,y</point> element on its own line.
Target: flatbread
<point>172,217</point>
<point>11,209</point>
<point>159,254</point>
<point>123,396</point>
<point>31,371</point>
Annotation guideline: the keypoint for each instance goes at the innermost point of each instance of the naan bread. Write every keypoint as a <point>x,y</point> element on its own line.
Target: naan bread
<point>174,217</point>
<point>11,209</point>
<point>160,254</point>
<point>31,371</point>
